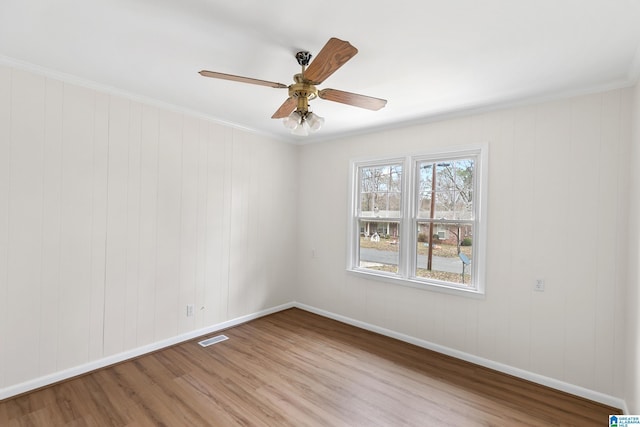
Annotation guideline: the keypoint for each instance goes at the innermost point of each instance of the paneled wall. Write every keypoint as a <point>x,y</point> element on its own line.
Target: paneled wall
<point>114,215</point>
<point>558,210</point>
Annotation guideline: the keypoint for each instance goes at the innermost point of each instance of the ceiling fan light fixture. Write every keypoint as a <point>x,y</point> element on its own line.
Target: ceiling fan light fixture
<point>301,123</point>
<point>301,130</point>
<point>292,121</point>
<point>314,121</point>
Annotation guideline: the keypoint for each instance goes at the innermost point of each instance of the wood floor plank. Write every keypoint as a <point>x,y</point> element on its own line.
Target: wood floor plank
<point>294,368</point>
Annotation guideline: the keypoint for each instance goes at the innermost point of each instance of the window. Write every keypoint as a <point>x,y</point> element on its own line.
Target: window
<point>419,220</point>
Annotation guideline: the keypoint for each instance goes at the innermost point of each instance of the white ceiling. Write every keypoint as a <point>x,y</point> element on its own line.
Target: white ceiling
<point>428,58</point>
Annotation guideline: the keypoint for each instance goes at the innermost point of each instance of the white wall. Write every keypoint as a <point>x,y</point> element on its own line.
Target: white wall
<point>114,215</point>
<point>632,344</point>
<point>558,210</point>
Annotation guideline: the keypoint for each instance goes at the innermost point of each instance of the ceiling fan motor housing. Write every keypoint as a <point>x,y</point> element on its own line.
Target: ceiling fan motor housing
<point>303,89</point>
<point>303,92</point>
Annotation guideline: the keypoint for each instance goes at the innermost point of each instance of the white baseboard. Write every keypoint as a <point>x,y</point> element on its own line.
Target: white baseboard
<point>55,377</point>
<point>497,366</point>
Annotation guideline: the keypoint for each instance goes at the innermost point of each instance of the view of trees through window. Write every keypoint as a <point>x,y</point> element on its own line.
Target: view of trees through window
<point>442,220</point>
<point>381,190</point>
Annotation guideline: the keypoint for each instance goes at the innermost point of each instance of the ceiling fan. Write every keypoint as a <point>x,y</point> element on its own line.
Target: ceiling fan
<point>295,109</point>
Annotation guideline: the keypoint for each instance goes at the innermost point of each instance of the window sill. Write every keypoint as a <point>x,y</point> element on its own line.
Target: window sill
<point>417,284</point>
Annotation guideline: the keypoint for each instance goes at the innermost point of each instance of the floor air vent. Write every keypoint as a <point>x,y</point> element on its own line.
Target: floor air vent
<point>214,340</point>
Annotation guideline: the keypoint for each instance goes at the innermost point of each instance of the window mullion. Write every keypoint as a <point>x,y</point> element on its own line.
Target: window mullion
<point>407,255</point>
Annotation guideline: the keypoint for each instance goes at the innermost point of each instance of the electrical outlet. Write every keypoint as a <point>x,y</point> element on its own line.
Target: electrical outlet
<point>539,285</point>
<point>189,310</point>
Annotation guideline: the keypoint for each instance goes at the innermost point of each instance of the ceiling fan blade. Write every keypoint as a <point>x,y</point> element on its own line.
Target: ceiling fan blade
<point>332,56</point>
<point>362,101</point>
<point>285,109</point>
<point>241,79</point>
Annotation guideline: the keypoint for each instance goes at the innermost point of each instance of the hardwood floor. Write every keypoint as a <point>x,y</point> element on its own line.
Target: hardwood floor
<point>294,368</point>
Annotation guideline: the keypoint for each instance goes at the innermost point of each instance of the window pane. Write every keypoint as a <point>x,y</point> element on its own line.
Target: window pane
<point>378,249</point>
<point>444,205</point>
<point>452,186</point>
<point>380,189</point>
<point>451,254</point>
<point>425,189</point>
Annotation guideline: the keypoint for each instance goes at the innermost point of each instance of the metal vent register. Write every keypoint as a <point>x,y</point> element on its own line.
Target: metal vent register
<point>214,340</point>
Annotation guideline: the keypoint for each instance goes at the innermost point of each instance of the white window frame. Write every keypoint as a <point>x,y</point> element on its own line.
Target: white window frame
<point>408,220</point>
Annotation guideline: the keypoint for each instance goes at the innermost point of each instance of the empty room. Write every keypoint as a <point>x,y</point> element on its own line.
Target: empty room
<point>334,214</point>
